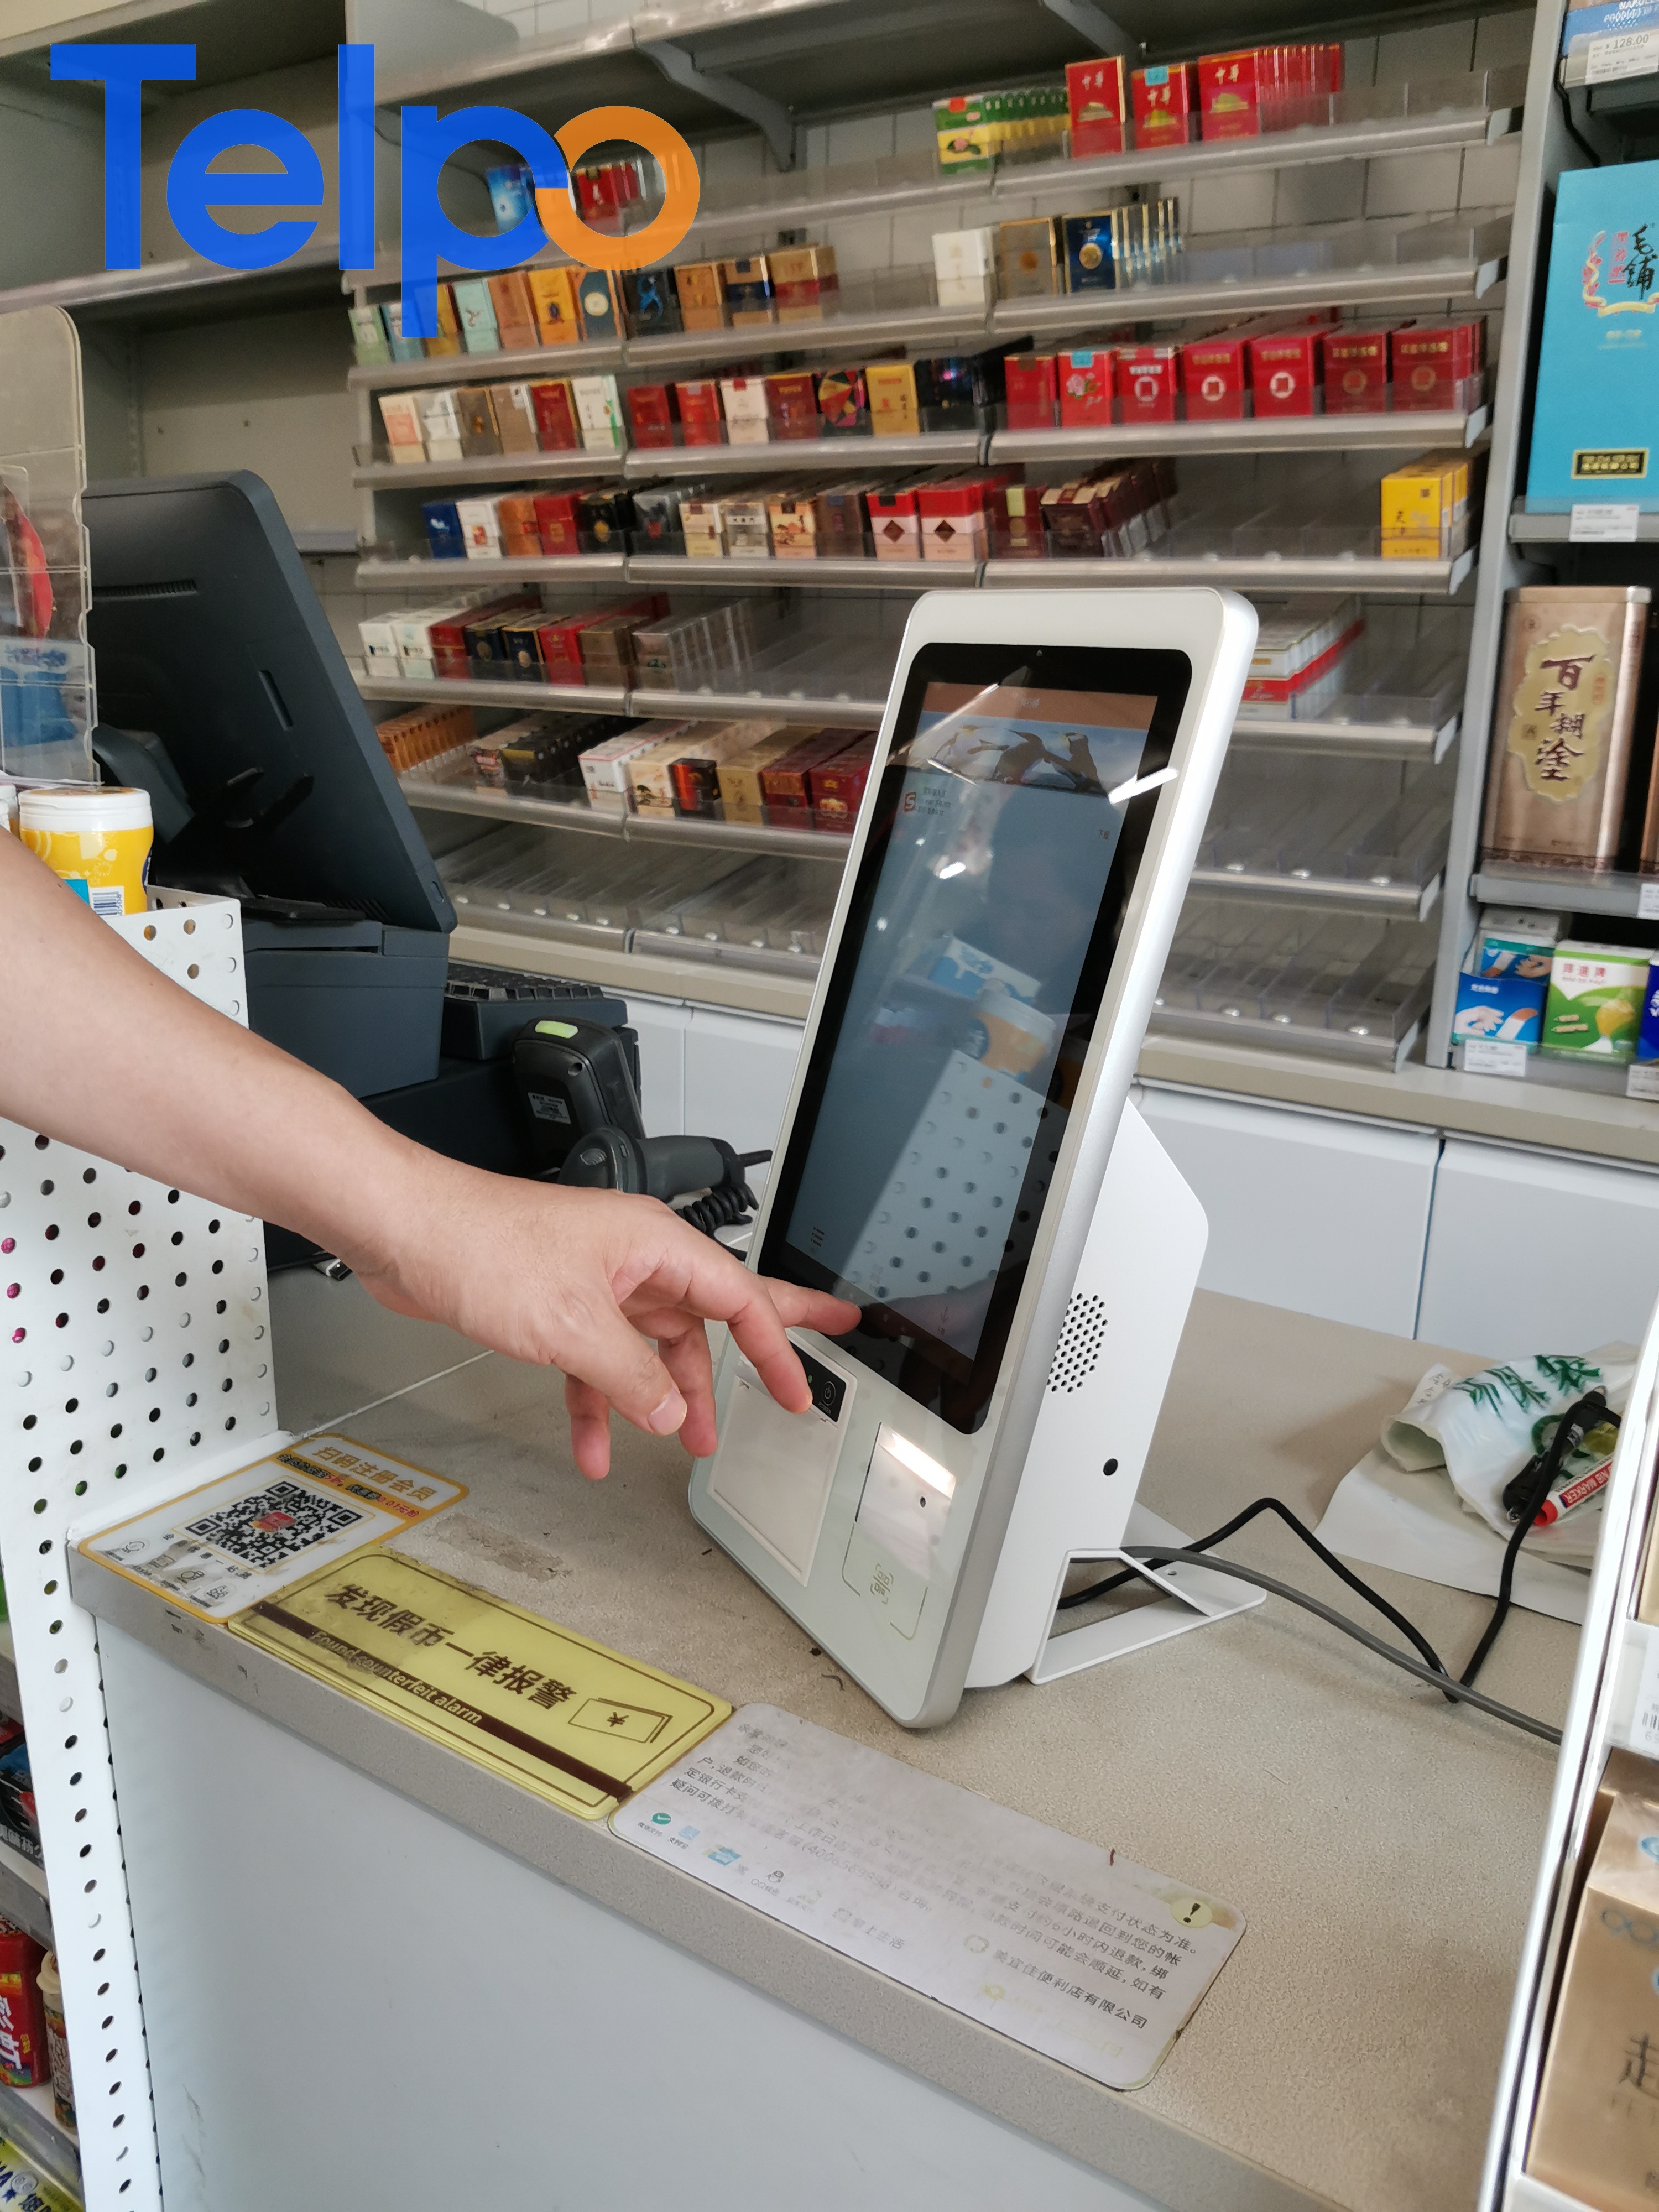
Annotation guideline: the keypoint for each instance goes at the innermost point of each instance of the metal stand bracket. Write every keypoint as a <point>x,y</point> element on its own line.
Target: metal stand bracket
<point>770,116</point>
<point>1192,1598</point>
<point>1094,24</point>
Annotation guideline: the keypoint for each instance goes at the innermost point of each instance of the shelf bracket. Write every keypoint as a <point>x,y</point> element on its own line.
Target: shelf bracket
<point>770,116</point>
<point>1095,24</point>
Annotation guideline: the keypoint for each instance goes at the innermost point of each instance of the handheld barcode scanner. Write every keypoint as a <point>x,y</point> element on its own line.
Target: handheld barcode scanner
<point>958,1156</point>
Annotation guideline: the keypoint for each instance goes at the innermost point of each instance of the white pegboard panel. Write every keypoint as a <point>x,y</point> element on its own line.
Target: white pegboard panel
<point>134,1351</point>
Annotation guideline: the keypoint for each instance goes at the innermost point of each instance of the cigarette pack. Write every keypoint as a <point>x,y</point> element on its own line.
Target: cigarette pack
<point>422,733</point>
<point>1165,103</point>
<point>747,282</point>
<point>487,657</point>
<point>403,348</point>
<point>1438,367</point>
<point>786,791</point>
<point>1299,642</point>
<point>747,522</point>
<point>804,280</point>
<point>792,402</point>
<point>892,385</point>
<point>447,339</point>
<point>703,525</point>
<point>378,638</point>
<point>651,414</point>
<point>596,296</point>
<point>894,522</point>
<point>400,414</point>
<point>1228,100</point>
<point>837,786</point>
<point>1097,103</point>
<point>1029,262</point>
<point>1564,721</point>
<point>370,345</point>
<point>965,130</point>
<point>742,404</point>
<point>481,530</point>
<point>1285,372</point>
<point>414,634</point>
<point>477,410</point>
<point>1024,539</point>
<point>560,645</point>
<point>444,535</point>
<point>741,796</point>
<point>1031,382</point>
<point>1091,251</point>
<point>701,422</point>
<point>557,427</point>
<point>515,310</point>
<point>558,523</point>
<point>477,311</point>
<point>702,294</point>
<point>1426,507</point>
<point>553,301</point>
<point>650,303</point>
<point>1147,377</point>
<point>447,632</point>
<point>521,649</point>
<point>440,421</point>
<point>695,774</point>
<point>1356,371</point>
<point>606,767</point>
<point>795,525</point>
<point>651,773</point>
<point>839,513</point>
<point>1085,375</point>
<point>515,418</point>
<point>599,412</point>
<point>606,513</point>
<point>516,518</point>
<point>843,401</point>
<point>963,267</point>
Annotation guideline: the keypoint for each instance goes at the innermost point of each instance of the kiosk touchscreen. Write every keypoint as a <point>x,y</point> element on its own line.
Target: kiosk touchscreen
<point>958,1156</point>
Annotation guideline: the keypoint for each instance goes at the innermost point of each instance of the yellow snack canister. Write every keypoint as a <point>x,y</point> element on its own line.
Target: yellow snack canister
<point>98,841</point>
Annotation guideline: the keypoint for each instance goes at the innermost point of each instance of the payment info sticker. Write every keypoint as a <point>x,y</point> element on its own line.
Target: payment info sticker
<point>251,1533</point>
<point>579,1725</point>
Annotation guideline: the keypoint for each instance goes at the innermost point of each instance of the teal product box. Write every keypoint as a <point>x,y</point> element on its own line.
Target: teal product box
<point>402,349</point>
<point>1500,1009</point>
<point>1090,259</point>
<point>1517,941</point>
<point>1647,1042</point>
<point>1596,424</point>
<point>476,314</point>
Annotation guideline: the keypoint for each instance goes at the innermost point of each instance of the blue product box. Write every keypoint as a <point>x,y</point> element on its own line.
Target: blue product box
<point>444,533</point>
<point>1089,263</point>
<point>1595,426</point>
<point>1610,20</point>
<point>1647,1044</point>
<point>402,349</point>
<point>510,189</point>
<point>1505,1009</point>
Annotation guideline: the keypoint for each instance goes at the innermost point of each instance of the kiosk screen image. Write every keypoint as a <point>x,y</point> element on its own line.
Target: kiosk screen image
<point>1006,841</point>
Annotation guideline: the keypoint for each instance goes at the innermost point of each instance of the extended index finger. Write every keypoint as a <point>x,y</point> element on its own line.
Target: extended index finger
<point>757,1310</point>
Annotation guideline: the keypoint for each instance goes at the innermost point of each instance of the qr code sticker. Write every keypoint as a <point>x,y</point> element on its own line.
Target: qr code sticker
<point>275,1524</point>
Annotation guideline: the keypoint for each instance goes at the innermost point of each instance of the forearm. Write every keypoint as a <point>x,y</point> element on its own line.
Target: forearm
<point>101,1050</point>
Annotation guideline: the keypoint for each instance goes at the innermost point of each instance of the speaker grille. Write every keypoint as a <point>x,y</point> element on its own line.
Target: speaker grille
<point>1078,1349</point>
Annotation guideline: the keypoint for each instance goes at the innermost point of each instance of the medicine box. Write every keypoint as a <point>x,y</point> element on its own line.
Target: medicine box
<point>1595,420</point>
<point>1500,1009</point>
<point>1597,995</point>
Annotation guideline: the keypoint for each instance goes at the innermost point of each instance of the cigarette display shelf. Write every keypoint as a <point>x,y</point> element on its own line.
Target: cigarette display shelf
<point>1572,891</point>
<point>836,574</point>
<point>1556,529</point>
<point>187,287</point>
<point>1268,433</point>
<point>28,2119</point>
<point>383,573</point>
<point>583,360</point>
<point>490,469</point>
<point>1427,742</point>
<point>1384,1051</point>
<point>918,324</point>
<point>1265,571</point>
<point>472,691</point>
<point>433,797</point>
<point>1406,902</point>
<point>928,449</point>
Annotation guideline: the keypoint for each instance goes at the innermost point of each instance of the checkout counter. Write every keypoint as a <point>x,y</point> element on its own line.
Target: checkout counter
<point>376,1975</point>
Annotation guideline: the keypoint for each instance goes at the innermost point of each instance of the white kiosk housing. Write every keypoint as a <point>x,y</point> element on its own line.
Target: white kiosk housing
<point>959,1158</point>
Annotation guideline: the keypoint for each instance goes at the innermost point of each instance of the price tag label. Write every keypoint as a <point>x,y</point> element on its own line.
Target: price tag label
<point>1486,1056</point>
<point>1633,53</point>
<point>1642,1081</point>
<point>1644,1720</point>
<point>1603,522</point>
<point>1647,902</point>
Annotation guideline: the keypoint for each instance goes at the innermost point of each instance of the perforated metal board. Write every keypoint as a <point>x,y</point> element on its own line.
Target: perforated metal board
<point>134,1354</point>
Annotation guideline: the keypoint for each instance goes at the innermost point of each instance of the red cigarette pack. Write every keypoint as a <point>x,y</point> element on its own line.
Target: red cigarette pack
<point>1147,377</point>
<point>1356,372</point>
<point>520,535</point>
<point>701,420</point>
<point>557,426</point>
<point>792,401</point>
<point>1084,377</point>
<point>1285,373</point>
<point>651,414</point>
<point>449,635</point>
<point>837,787</point>
<point>557,524</point>
<point>1165,103</point>
<point>784,784</point>
<point>1229,93</point>
<point>1437,366</point>
<point>1097,97</point>
<point>1029,383</point>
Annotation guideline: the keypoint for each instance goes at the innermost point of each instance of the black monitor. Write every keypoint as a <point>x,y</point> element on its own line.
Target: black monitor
<point>223,689</point>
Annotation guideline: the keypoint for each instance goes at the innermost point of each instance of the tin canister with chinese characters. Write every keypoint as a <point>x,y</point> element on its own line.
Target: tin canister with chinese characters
<point>1564,720</point>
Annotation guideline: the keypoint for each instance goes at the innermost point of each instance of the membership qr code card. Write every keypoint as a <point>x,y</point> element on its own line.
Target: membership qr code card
<point>251,1533</point>
<point>579,1725</point>
<point>1059,1944</point>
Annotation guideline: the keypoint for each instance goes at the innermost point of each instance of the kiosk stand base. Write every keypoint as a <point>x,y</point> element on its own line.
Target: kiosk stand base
<point>1193,1597</point>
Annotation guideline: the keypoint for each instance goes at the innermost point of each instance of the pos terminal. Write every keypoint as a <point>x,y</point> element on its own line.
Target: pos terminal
<point>959,1158</point>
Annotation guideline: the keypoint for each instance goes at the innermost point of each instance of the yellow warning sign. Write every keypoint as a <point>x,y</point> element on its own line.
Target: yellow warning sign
<point>579,1725</point>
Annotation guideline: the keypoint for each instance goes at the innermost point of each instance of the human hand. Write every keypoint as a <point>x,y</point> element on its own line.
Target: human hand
<point>612,1290</point>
